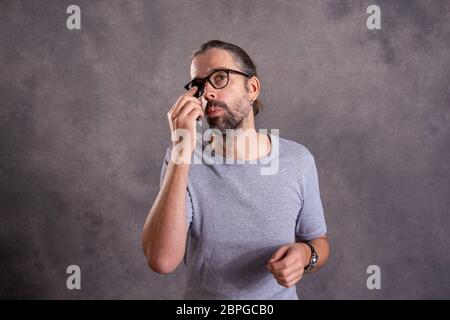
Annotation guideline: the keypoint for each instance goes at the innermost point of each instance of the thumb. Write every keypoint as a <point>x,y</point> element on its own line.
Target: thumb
<point>279,254</point>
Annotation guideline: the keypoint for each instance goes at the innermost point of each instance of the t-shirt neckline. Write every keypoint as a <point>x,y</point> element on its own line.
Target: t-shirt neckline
<point>265,159</point>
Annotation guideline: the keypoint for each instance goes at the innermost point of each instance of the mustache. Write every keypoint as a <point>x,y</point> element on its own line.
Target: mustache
<point>216,103</point>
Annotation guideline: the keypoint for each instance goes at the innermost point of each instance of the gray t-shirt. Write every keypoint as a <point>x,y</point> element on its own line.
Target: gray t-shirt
<point>238,218</point>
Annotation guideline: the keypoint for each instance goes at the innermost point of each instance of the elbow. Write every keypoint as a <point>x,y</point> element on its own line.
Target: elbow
<point>162,266</point>
<point>159,262</point>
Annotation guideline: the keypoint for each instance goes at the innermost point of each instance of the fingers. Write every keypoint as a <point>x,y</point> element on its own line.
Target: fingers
<point>286,272</point>
<point>286,266</point>
<point>294,276</point>
<point>182,103</point>
<point>284,263</point>
<point>294,280</point>
<point>291,279</point>
<point>189,93</point>
<point>196,113</point>
<point>279,253</point>
<point>187,108</point>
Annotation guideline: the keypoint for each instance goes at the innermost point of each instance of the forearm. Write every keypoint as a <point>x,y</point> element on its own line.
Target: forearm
<point>323,251</point>
<point>165,229</point>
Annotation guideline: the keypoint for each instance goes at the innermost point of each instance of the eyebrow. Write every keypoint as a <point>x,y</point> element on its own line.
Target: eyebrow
<point>211,71</point>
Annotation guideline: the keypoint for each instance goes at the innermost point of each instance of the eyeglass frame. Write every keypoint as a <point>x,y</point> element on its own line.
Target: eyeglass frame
<point>200,91</point>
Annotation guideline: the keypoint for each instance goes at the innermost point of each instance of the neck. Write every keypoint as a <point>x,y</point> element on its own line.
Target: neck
<point>244,143</point>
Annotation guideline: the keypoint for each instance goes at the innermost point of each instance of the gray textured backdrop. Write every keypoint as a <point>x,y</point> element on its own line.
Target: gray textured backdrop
<point>83,133</point>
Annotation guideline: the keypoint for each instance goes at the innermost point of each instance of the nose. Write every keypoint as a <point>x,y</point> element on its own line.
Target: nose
<point>209,92</point>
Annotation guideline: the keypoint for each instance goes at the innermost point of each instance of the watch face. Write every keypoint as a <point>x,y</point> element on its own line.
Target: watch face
<point>314,258</point>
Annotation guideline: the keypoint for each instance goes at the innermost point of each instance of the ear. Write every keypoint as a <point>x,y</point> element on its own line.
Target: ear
<point>253,87</point>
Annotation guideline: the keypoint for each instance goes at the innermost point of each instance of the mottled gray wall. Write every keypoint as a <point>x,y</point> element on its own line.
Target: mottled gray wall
<point>83,133</point>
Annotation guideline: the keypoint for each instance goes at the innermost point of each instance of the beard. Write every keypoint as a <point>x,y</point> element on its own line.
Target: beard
<point>229,118</point>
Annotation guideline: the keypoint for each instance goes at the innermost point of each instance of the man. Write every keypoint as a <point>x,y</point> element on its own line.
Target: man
<point>242,235</point>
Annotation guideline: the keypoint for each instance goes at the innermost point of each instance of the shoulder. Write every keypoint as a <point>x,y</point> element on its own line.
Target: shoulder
<point>296,151</point>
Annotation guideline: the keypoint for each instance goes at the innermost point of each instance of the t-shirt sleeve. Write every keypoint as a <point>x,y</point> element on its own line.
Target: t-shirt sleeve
<point>310,222</point>
<point>189,210</point>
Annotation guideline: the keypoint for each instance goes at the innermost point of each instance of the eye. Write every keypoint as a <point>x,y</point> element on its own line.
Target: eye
<point>220,78</point>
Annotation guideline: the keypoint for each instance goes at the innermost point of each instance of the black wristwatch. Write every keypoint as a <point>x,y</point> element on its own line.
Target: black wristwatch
<point>314,258</point>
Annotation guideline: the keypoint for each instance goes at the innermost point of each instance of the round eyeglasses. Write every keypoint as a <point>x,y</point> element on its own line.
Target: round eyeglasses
<point>218,79</point>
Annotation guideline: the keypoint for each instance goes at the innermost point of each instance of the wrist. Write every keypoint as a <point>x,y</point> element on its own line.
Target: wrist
<point>313,257</point>
<point>307,255</point>
<point>181,157</point>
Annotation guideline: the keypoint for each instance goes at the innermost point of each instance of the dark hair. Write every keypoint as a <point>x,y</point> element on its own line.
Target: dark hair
<point>242,58</point>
